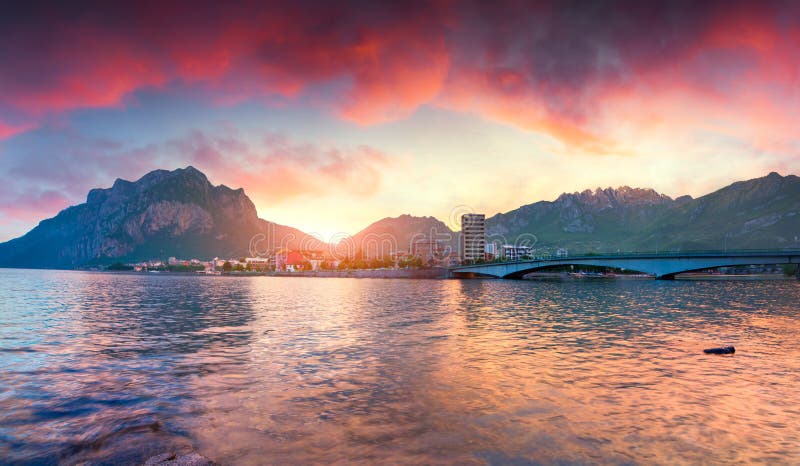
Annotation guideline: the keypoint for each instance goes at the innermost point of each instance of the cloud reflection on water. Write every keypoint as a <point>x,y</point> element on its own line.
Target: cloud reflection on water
<point>285,370</point>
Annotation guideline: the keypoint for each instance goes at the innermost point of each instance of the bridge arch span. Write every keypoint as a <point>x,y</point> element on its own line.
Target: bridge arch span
<point>543,268</point>
<point>459,274</point>
<point>663,266</point>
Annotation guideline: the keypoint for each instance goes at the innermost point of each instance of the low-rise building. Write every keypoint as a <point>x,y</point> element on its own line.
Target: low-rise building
<point>295,262</point>
<point>257,263</point>
<point>514,252</point>
<point>491,251</point>
<point>451,259</point>
<point>428,250</point>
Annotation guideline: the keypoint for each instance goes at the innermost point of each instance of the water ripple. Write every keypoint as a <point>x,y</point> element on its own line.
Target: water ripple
<point>102,368</point>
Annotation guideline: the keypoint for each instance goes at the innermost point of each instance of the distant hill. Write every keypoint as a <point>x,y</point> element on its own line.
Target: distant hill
<point>759,213</point>
<point>165,213</point>
<point>396,234</point>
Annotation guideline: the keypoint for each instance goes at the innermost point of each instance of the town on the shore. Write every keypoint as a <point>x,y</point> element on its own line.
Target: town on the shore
<point>423,252</point>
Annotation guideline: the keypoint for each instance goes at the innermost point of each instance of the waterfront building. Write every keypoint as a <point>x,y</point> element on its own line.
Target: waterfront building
<point>257,263</point>
<point>398,255</point>
<point>562,252</point>
<point>473,237</point>
<point>514,253</point>
<point>181,262</point>
<point>451,259</point>
<point>316,264</point>
<point>295,262</point>
<point>427,249</point>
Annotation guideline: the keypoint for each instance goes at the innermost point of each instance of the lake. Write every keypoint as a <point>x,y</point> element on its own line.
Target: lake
<point>109,369</point>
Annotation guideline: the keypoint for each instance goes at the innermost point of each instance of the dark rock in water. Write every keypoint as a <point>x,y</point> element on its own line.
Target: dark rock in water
<point>173,459</point>
<point>720,350</point>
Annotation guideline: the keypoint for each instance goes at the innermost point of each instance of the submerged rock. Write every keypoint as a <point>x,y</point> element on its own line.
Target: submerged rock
<point>173,459</point>
<point>720,350</point>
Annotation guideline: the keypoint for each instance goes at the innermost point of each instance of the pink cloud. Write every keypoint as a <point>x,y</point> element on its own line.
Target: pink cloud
<point>31,206</point>
<point>277,169</point>
<point>6,131</point>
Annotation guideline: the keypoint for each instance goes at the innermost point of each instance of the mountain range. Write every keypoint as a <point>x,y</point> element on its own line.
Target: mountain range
<point>761,213</point>
<point>180,213</point>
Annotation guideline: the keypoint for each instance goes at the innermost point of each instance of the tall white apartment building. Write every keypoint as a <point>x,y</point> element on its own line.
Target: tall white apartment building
<point>473,237</point>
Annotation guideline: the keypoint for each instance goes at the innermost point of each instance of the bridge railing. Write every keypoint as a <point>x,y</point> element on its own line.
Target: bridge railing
<point>648,254</point>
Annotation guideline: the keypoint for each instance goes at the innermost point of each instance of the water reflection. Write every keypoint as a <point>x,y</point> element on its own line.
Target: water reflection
<point>261,370</point>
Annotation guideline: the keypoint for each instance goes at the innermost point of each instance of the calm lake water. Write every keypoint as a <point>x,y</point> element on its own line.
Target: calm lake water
<point>104,368</point>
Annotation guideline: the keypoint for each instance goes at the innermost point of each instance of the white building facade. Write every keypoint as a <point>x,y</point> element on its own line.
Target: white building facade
<point>473,237</point>
<point>514,253</point>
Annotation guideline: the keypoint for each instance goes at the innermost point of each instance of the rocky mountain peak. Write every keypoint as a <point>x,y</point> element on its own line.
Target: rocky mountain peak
<point>189,178</point>
<point>162,213</point>
<point>623,196</point>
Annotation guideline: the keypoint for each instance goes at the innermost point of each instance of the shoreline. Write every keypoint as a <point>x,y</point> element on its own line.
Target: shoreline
<point>433,273</point>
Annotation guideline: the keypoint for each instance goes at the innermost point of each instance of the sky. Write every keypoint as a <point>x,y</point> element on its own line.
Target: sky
<point>332,115</point>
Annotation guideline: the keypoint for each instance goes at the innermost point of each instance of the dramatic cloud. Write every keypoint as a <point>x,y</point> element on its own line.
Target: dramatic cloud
<point>553,67</point>
<point>387,59</point>
<point>581,73</point>
<point>275,168</point>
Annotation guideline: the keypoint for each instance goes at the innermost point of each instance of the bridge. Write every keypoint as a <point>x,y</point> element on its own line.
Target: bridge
<point>664,265</point>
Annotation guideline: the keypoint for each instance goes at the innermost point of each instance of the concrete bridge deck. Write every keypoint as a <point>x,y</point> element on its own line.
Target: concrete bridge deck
<point>663,265</point>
